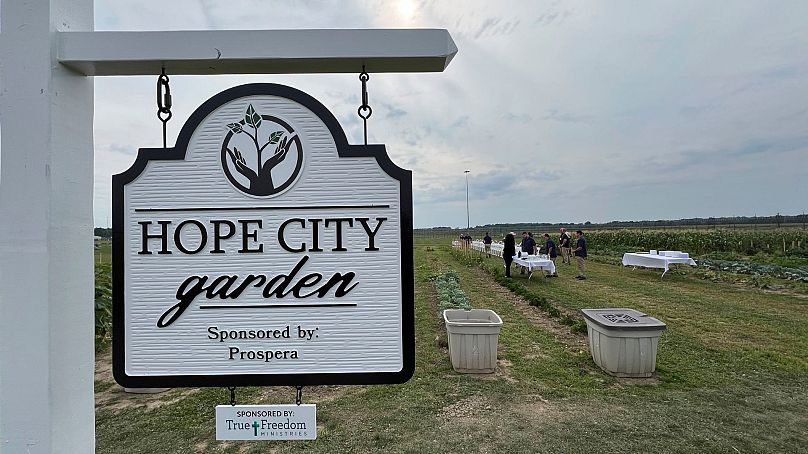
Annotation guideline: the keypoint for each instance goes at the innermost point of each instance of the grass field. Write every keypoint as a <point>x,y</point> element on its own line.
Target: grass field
<point>732,377</point>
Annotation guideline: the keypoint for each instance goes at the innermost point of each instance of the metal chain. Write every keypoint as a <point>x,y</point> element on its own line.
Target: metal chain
<point>232,390</point>
<point>163,102</point>
<point>299,395</point>
<point>364,110</point>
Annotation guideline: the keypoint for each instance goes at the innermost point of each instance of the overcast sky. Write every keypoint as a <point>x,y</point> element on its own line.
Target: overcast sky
<point>562,111</point>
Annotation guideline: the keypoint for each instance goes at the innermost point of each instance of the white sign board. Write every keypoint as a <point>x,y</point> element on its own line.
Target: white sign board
<point>266,422</point>
<point>262,250</point>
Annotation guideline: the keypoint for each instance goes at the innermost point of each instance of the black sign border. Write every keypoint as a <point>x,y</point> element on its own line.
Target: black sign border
<point>344,149</point>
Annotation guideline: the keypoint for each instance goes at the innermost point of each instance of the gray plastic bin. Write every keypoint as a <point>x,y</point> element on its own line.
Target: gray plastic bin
<point>623,342</point>
<point>473,338</point>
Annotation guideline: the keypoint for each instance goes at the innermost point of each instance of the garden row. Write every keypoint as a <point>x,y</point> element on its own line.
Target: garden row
<point>576,324</point>
<point>450,295</point>
<point>103,304</point>
<point>788,242</point>
<point>743,267</point>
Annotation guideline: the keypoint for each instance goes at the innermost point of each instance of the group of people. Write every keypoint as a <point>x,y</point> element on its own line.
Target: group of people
<point>529,246</point>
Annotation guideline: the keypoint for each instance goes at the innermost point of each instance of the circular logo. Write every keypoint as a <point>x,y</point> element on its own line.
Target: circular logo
<point>261,154</point>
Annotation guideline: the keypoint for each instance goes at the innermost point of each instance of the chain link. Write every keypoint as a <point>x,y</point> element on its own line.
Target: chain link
<point>299,395</point>
<point>232,390</point>
<point>163,102</point>
<point>364,110</point>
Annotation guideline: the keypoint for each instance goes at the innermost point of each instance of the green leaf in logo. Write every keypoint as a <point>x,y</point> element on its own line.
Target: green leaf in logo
<point>235,127</point>
<point>275,137</point>
<point>252,118</point>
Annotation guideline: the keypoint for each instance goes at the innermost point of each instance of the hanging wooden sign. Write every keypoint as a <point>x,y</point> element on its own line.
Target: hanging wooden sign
<point>262,250</point>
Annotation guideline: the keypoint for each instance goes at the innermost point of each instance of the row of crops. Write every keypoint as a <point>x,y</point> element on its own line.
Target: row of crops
<point>103,303</point>
<point>450,295</point>
<point>702,242</point>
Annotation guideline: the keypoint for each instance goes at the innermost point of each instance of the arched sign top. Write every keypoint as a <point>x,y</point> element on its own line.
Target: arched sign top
<point>178,151</point>
<point>263,249</point>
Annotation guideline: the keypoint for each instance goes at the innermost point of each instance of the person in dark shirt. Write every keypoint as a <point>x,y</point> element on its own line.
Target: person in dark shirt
<point>580,255</point>
<point>528,243</point>
<point>508,251</point>
<point>550,247</point>
<point>564,244</point>
<point>487,241</point>
<point>528,246</point>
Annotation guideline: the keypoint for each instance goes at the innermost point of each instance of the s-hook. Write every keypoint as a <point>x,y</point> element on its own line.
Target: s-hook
<point>364,110</point>
<point>232,390</point>
<point>163,101</point>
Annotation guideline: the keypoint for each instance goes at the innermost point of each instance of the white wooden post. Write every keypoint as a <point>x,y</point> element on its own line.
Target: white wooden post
<point>46,181</point>
<point>46,234</point>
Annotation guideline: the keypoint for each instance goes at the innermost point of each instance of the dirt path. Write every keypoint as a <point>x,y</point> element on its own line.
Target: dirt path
<point>111,396</point>
<point>535,315</point>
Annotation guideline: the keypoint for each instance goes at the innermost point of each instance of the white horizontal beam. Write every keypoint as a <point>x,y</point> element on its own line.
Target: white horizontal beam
<point>207,52</point>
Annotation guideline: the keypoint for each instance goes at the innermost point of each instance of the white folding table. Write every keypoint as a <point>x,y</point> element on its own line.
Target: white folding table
<point>535,261</point>
<point>662,260</point>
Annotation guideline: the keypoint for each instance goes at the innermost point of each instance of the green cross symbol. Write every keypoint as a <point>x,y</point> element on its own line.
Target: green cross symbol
<point>255,427</point>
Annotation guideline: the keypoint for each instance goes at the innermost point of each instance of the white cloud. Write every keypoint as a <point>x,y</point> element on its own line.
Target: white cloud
<point>563,111</point>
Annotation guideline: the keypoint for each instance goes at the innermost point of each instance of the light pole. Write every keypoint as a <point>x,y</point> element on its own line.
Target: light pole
<point>468,222</point>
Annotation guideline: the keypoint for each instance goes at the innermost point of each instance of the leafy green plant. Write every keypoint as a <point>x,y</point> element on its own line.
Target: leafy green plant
<point>761,281</point>
<point>579,327</point>
<point>450,295</point>
<point>103,303</point>
<point>747,242</point>
<point>744,267</point>
<point>798,253</point>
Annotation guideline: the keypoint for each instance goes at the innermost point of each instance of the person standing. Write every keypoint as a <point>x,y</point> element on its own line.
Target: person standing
<point>528,246</point>
<point>564,243</point>
<point>580,255</point>
<point>528,243</point>
<point>508,251</point>
<point>535,244</point>
<point>487,241</point>
<point>550,247</point>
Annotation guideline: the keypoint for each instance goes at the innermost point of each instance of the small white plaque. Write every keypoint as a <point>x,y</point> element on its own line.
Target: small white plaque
<point>266,422</point>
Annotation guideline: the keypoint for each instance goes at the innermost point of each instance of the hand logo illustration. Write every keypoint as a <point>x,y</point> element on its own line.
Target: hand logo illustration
<point>258,174</point>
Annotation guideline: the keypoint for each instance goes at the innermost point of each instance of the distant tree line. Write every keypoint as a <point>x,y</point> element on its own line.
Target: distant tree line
<point>102,232</point>
<point>776,220</point>
<point>711,222</point>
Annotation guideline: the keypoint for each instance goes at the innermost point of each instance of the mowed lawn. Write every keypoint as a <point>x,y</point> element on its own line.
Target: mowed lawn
<point>732,377</point>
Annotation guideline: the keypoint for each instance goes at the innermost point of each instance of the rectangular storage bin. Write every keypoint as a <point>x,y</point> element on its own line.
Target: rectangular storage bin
<point>473,338</point>
<point>623,342</point>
